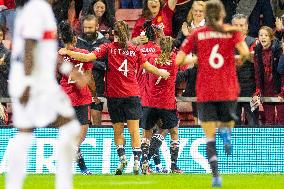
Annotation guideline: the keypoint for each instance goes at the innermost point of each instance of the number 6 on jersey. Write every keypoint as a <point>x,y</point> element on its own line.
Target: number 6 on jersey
<point>215,55</point>
<point>123,67</point>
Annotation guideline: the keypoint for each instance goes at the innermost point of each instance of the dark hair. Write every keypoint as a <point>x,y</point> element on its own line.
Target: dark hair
<point>66,32</point>
<point>107,16</point>
<point>21,3</point>
<point>146,13</point>
<point>213,11</point>
<point>149,30</point>
<point>166,44</point>
<point>121,30</point>
<point>3,29</point>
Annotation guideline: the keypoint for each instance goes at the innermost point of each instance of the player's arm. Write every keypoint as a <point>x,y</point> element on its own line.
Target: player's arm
<point>182,59</point>
<point>30,45</point>
<point>154,70</point>
<point>243,50</point>
<point>92,86</point>
<point>172,4</point>
<point>77,55</point>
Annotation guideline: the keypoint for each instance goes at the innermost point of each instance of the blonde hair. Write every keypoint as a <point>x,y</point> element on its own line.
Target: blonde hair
<point>166,44</point>
<point>190,14</point>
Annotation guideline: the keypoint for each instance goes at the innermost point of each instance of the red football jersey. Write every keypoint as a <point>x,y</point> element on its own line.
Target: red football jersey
<point>149,49</point>
<point>163,20</point>
<point>78,96</point>
<point>161,92</point>
<point>216,77</point>
<point>121,79</point>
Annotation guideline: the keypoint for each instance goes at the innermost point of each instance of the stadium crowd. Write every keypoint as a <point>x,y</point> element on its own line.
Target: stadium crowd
<point>140,76</point>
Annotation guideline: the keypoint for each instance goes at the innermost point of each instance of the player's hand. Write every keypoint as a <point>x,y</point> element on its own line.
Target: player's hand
<point>25,97</point>
<point>281,99</point>
<point>142,39</point>
<point>278,24</point>
<point>2,60</point>
<point>96,100</point>
<point>164,73</point>
<point>81,79</point>
<point>63,51</point>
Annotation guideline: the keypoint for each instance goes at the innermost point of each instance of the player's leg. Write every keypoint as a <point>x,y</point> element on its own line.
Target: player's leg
<point>133,113</point>
<point>227,116</point>
<point>208,114</point>
<point>82,113</point>
<point>18,148</point>
<point>96,113</point>
<point>119,142</point>
<point>69,133</point>
<point>17,158</point>
<point>115,108</point>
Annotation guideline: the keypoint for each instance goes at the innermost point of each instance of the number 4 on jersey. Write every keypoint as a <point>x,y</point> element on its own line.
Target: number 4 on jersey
<point>123,68</point>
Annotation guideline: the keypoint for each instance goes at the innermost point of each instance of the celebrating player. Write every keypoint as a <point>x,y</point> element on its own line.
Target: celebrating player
<point>217,87</point>
<point>122,90</point>
<point>81,98</point>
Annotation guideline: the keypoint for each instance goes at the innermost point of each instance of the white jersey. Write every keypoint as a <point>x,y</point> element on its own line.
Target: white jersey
<point>47,100</point>
<point>34,21</point>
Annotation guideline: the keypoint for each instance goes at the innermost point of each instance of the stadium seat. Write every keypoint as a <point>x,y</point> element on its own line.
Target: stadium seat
<point>128,15</point>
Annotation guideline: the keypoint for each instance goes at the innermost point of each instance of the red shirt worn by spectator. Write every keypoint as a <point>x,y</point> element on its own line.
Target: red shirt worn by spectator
<point>77,96</point>
<point>161,92</point>
<point>149,49</point>
<point>216,77</point>
<point>163,20</point>
<point>121,79</point>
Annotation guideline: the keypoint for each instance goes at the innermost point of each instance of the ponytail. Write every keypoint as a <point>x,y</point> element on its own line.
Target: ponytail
<point>121,30</point>
<point>166,44</point>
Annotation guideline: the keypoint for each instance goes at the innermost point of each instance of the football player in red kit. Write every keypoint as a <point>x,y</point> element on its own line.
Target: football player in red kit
<point>217,86</point>
<point>122,89</point>
<point>81,98</point>
<point>161,105</point>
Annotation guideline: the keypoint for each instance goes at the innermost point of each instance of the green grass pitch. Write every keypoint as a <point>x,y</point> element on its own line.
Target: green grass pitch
<point>170,181</point>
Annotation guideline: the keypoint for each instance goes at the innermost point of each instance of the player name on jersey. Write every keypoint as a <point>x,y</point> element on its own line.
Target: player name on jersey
<point>122,52</point>
<point>213,35</point>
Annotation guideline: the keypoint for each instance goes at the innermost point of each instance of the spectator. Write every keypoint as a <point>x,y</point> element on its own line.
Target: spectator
<point>195,18</point>
<point>60,10</point>
<point>100,9</point>
<point>136,4</point>
<point>246,75</point>
<point>180,14</point>
<point>280,68</point>
<point>161,15</point>
<point>7,16</point>
<point>255,8</point>
<point>91,39</point>
<point>4,65</point>
<point>268,81</point>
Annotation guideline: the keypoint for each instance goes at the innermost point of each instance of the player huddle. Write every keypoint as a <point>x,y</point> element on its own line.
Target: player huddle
<point>140,90</point>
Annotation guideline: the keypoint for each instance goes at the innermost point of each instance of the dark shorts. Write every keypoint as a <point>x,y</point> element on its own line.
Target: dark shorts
<point>82,113</point>
<point>123,109</point>
<point>223,111</point>
<point>98,107</point>
<point>151,116</point>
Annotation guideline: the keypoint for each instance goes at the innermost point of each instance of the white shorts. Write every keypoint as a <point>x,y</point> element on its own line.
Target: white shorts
<point>42,109</point>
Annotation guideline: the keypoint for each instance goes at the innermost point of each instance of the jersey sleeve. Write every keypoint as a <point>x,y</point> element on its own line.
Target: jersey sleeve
<point>101,51</point>
<point>34,27</point>
<point>237,38</point>
<point>188,44</point>
<point>141,59</point>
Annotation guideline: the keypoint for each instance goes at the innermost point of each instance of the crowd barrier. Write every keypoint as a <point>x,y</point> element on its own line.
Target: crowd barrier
<point>255,150</point>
